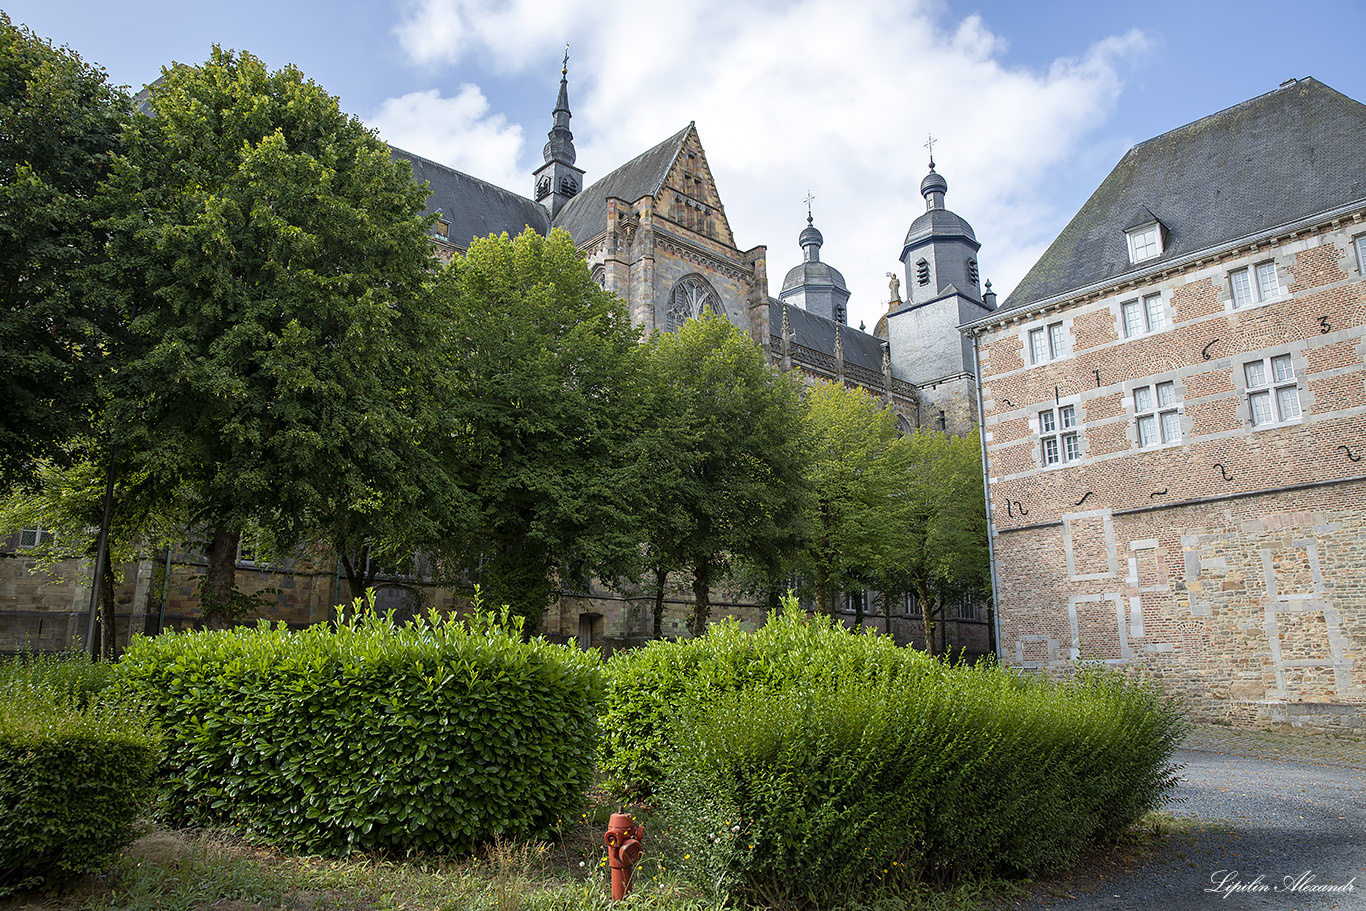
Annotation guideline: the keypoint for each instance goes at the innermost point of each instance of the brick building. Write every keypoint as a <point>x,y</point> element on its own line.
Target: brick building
<point>1174,408</point>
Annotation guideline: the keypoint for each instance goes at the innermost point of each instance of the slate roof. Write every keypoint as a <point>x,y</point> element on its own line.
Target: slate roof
<point>474,207</point>
<point>817,274</point>
<point>1277,159</point>
<point>585,216</point>
<point>818,333</point>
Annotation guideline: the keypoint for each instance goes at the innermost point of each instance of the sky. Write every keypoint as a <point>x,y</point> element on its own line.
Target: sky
<point>1030,103</point>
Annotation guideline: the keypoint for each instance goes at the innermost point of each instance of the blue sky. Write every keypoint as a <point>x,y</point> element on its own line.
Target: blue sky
<point>1031,104</point>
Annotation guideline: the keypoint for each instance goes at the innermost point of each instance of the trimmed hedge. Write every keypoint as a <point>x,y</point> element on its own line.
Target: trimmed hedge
<point>427,737</point>
<point>847,763</point>
<point>650,688</point>
<point>75,773</point>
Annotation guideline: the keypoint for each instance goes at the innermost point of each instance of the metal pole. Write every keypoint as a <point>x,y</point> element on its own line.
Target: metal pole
<point>102,554</point>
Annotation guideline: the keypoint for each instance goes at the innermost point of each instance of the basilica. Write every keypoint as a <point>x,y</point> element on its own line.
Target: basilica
<point>654,231</point>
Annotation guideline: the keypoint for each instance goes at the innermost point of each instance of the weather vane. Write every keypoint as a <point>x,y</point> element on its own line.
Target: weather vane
<point>929,144</point>
<point>564,70</point>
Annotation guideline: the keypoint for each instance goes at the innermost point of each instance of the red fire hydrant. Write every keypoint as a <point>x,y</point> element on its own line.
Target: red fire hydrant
<point>623,851</point>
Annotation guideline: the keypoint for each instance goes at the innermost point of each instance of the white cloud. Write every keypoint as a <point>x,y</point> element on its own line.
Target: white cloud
<point>458,132</point>
<point>808,95</point>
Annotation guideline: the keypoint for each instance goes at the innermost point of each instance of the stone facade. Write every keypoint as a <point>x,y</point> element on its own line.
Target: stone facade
<point>1180,487</point>
<point>46,608</point>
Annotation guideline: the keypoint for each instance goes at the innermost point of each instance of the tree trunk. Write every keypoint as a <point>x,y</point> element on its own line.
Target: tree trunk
<point>858,612</point>
<point>824,598</point>
<point>927,615</point>
<point>661,577</point>
<point>221,576</point>
<point>701,609</point>
<point>107,646</point>
<point>361,574</point>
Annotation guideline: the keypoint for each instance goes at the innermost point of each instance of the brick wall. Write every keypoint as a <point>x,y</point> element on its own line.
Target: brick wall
<point>1230,560</point>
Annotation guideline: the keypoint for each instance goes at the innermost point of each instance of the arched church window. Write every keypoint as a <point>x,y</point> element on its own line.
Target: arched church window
<point>600,276</point>
<point>922,272</point>
<point>690,298</point>
<point>903,426</point>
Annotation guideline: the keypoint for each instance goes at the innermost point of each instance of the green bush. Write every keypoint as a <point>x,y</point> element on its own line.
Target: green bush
<point>75,772</point>
<point>428,737</point>
<point>37,675</point>
<point>649,688</point>
<point>847,763</point>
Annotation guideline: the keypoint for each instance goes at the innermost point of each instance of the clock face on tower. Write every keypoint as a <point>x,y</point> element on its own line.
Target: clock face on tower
<point>543,187</point>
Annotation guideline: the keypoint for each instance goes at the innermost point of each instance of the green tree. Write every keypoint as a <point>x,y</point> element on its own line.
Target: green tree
<point>60,125</point>
<point>271,257</point>
<point>539,403</point>
<point>725,479</point>
<point>856,479</point>
<point>67,500</point>
<point>939,519</point>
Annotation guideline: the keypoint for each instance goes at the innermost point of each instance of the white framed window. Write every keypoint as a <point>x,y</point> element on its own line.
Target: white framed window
<point>1059,439</point>
<point>1047,343</point>
<point>1273,395</point>
<point>1139,317</point>
<point>35,536</point>
<point>1145,243</point>
<point>1159,420</point>
<point>1254,285</point>
<point>1360,244</point>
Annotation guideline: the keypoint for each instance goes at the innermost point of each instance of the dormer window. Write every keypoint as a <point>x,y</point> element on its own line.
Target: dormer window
<point>1145,242</point>
<point>442,228</point>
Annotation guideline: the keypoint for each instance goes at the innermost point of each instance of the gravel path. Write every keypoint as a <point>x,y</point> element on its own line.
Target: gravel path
<point>1265,830</point>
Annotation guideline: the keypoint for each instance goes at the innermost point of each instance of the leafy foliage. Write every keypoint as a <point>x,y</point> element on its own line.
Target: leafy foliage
<point>538,398</point>
<point>721,467</point>
<point>75,772</point>
<point>857,478</point>
<point>60,123</point>
<point>804,762</point>
<point>270,256</point>
<point>938,519</point>
<point>650,689</point>
<point>369,736</point>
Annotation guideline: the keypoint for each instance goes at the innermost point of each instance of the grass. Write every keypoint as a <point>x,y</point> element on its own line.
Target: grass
<point>217,871</point>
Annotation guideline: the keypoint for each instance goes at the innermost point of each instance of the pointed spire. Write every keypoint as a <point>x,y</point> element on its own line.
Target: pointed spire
<point>561,141</point>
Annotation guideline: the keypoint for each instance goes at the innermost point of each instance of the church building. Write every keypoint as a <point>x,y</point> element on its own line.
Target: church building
<point>654,231</point>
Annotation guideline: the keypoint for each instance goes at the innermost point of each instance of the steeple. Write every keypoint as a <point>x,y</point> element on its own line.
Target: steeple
<point>814,285</point>
<point>940,250</point>
<point>558,181</point>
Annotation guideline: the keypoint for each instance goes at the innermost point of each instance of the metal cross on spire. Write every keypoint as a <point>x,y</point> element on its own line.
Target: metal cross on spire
<point>809,199</point>
<point>929,144</point>
<point>564,70</point>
